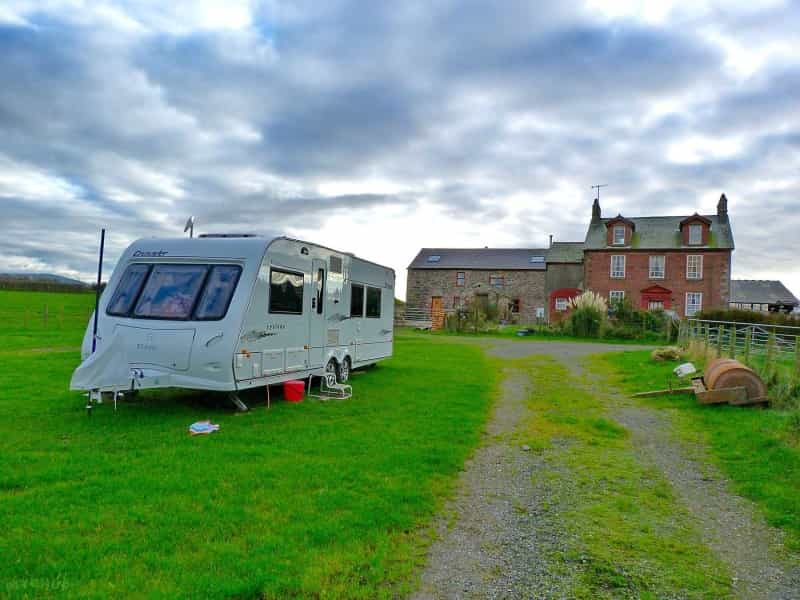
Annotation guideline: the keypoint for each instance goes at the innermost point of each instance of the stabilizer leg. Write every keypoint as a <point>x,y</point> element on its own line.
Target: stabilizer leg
<point>240,406</point>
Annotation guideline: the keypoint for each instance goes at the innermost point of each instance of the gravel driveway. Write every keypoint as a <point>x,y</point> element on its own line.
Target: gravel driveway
<point>506,524</point>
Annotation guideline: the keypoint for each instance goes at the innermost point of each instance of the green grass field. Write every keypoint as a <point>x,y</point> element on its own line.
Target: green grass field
<point>314,499</point>
<point>43,319</point>
<point>759,450</point>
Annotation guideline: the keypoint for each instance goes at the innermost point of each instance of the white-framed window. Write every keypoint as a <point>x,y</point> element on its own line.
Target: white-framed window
<point>619,235</point>
<point>616,295</point>
<point>694,303</point>
<point>694,266</point>
<point>655,305</point>
<point>496,281</point>
<point>657,267</point>
<point>618,266</point>
<point>460,275</point>
<point>540,312</point>
<point>695,235</point>
<point>561,304</point>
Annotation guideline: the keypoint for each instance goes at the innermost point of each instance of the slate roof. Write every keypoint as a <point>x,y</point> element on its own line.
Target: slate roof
<point>760,291</point>
<point>565,252</point>
<point>661,233</point>
<point>480,258</point>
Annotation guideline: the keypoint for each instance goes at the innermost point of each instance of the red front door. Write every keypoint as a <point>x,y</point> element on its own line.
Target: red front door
<point>655,297</point>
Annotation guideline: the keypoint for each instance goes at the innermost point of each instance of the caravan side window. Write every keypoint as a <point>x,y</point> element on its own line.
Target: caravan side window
<point>373,302</point>
<point>218,292</point>
<point>285,292</point>
<point>356,300</point>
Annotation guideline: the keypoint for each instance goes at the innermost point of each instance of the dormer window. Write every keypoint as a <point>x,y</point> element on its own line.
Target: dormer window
<point>619,231</point>
<point>695,230</point>
<point>695,235</point>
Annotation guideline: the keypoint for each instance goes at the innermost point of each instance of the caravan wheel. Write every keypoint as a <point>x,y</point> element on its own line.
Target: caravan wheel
<point>332,367</point>
<point>344,371</point>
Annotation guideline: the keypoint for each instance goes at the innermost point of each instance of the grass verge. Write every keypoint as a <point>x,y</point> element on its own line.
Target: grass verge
<point>309,500</point>
<point>626,532</point>
<point>758,450</point>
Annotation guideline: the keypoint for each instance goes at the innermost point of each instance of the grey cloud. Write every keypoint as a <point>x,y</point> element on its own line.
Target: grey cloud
<point>462,105</point>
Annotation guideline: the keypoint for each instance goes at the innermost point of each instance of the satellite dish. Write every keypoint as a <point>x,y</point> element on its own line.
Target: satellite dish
<point>189,226</point>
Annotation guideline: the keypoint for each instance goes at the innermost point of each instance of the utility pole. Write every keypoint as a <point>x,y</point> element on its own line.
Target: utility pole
<point>597,187</point>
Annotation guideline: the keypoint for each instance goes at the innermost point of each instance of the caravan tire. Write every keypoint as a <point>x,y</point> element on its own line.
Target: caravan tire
<point>332,367</point>
<point>344,371</point>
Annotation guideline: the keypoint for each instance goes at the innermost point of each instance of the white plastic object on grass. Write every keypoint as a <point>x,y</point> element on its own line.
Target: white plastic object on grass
<point>684,370</point>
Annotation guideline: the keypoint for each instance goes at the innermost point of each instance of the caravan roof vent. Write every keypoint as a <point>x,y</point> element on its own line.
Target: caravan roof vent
<point>227,235</point>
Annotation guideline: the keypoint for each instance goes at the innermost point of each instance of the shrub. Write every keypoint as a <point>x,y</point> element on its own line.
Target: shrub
<point>588,315</point>
<point>621,332</point>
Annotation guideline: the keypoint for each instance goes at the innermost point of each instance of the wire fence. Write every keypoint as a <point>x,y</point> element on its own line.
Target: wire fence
<point>774,347</point>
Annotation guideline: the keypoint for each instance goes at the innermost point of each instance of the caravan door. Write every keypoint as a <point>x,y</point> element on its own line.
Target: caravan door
<point>316,320</point>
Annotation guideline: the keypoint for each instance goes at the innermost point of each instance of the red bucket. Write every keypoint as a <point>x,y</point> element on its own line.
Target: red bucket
<point>293,391</point>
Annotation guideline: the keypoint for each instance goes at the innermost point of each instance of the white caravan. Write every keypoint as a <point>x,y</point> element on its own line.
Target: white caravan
<point>231,312</point>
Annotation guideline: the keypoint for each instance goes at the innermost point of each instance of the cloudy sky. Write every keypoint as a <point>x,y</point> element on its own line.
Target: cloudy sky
<point>380,128</point>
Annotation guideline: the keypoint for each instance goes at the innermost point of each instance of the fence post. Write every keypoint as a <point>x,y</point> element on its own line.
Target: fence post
<point>748,338</point>
<point>708,334</point>
<point>720,336</point>
<point>733,341</point>
<point>770,351</point>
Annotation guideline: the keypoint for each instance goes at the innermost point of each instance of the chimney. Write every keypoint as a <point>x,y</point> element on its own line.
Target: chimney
<point>722,206</point>
<point>596,210</point>
<point>551,240</point>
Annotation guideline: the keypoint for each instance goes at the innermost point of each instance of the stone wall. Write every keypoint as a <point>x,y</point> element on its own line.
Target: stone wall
<point>528,286</point>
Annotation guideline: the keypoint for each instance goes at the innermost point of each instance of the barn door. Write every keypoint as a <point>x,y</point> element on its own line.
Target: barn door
<point>316,320</point>
<point>437,313</point>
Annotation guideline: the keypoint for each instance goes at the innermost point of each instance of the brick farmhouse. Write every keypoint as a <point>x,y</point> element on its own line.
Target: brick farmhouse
<point>676,263</point>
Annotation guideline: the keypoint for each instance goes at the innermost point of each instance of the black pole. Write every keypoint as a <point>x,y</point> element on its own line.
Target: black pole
<point>97,291</point>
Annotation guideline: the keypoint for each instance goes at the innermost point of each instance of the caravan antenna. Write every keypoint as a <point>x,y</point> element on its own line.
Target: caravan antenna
<point>189,226</point>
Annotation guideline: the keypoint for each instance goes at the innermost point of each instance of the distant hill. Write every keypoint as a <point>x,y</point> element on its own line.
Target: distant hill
<point>45,277</point>
<point>46,282</point>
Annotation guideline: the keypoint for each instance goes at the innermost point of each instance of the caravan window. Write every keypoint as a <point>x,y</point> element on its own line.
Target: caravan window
<point>218,292</point>
<point>285,292</point>
<point>357,300</point>
<point>128,289</point>
<point>373,302</point>
<point>171,291</point>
